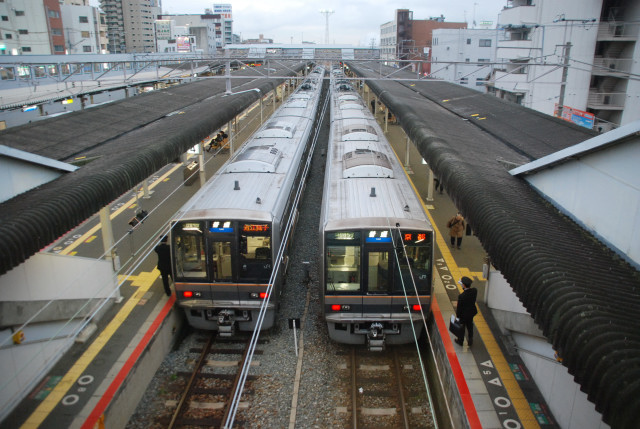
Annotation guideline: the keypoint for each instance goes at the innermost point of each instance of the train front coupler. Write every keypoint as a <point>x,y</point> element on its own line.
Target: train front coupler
<point>376,337</point>
<point>226,323</point>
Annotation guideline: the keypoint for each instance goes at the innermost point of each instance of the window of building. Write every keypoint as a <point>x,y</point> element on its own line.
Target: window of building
<point>65,69</point>
<point>466,60</point>
<point>19,12</point>
<point>56,31</point>
<point>58,48</point>
<point>8,36</point>
<point>468,41</point>
<point>53,13</point>
<point>464,80</point>
<point>86,49</point>
<point>5,18</point>
<point>39,71</point>
<point>480,81</point>
<point>23,31</point>
<point>85,34</point>
<point>7,73</point>
<point>24,72</point>
<point>83,19</point>
<point>484,43</point>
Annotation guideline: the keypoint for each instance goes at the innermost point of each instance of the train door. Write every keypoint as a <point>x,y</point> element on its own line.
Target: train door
<point>220,250</point>
<point>379,267</point>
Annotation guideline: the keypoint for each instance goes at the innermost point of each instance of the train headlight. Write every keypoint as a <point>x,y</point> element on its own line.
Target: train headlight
<point>414,307</point>
<point>338,307</point>
<point>187,294</point>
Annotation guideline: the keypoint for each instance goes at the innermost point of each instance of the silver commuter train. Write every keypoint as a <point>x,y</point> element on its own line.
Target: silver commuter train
<point>376,252</point>
<point>225,239</point>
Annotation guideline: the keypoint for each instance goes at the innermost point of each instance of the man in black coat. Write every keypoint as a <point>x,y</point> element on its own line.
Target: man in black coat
<point>466,309</point>
<point>164,263</point>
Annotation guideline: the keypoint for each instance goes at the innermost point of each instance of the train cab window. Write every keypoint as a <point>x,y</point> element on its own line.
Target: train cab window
<point>415,262</point>
<point>343,262</point>
<point>255,253</point>
<point>189,251</point>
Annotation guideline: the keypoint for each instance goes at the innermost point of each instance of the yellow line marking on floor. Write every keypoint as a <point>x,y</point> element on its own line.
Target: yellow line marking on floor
<point>96,228</point>
<point>144,281</point>
<point>90,239</point>
<point>520,404</point>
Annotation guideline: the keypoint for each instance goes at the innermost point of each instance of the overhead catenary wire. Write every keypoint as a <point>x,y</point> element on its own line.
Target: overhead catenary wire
<point>235,401</point>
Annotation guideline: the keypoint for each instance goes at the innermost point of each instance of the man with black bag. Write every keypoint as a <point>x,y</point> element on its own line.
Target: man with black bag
<point>466,309</point>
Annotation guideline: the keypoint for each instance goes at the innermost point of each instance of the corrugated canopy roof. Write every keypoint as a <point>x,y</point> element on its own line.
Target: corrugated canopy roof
<point>584,297</point>
<point>129,140</point>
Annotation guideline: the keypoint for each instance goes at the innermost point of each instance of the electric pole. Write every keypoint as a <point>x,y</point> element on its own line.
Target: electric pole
<point>563,83</point>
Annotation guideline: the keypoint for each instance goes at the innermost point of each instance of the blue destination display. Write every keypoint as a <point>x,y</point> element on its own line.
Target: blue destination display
<point>221,229</point>
<point>378,239</point>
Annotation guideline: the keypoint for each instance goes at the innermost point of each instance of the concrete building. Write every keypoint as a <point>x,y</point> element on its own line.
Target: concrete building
<point>31,27</point>
<point>407,39</point>
<point>84,28</point>
<point>464,56</point>
<point>209,30</point>
<point>173,38</point>
<point>131,29</point>
<point>572,58</point>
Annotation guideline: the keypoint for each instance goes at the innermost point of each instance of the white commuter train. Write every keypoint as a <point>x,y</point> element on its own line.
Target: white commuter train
<point>377,243</point>
<point>226,238</point>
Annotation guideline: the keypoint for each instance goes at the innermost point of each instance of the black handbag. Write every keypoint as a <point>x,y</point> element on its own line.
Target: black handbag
<point>455,327</point>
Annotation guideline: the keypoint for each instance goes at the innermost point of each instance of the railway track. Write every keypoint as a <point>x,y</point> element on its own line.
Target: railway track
<point>384,392</point>
<point>208,389</point>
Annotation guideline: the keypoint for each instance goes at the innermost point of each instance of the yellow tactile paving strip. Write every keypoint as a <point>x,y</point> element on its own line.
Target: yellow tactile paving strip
<point>143,282</point>
<point>520,403</point>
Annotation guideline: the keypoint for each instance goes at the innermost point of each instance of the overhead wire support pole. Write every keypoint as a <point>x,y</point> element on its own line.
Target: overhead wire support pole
<point>563,83</point>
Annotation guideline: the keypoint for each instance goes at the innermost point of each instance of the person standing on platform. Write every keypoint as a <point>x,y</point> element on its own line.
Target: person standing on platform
<point>456,229</point>
<point>438,184</point>
<point>466,309</point>
<point>164,263</point>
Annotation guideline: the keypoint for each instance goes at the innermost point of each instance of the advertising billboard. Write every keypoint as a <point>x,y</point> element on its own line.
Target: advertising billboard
<point>578,117</point>
<point>183,44</point>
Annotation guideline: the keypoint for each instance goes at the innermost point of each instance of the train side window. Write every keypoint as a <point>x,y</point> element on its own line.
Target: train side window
<point>343,268</point>
<point>189,251</point>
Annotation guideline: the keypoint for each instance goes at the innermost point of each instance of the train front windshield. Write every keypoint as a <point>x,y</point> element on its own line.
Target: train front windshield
<point>222,251</point>
<point>366,262</point>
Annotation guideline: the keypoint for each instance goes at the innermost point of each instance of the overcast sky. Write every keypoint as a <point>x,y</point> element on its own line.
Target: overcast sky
<point>354,22</point>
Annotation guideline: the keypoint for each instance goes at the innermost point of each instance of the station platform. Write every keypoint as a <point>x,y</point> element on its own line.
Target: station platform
<point>94,384</point>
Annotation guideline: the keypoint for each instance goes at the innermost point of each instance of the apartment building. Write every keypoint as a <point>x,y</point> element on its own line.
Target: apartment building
<point>130,25</point>
<point>464,56</point>
<point>572,59</point>
<point>31,27</point>
<point>84,28</point>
